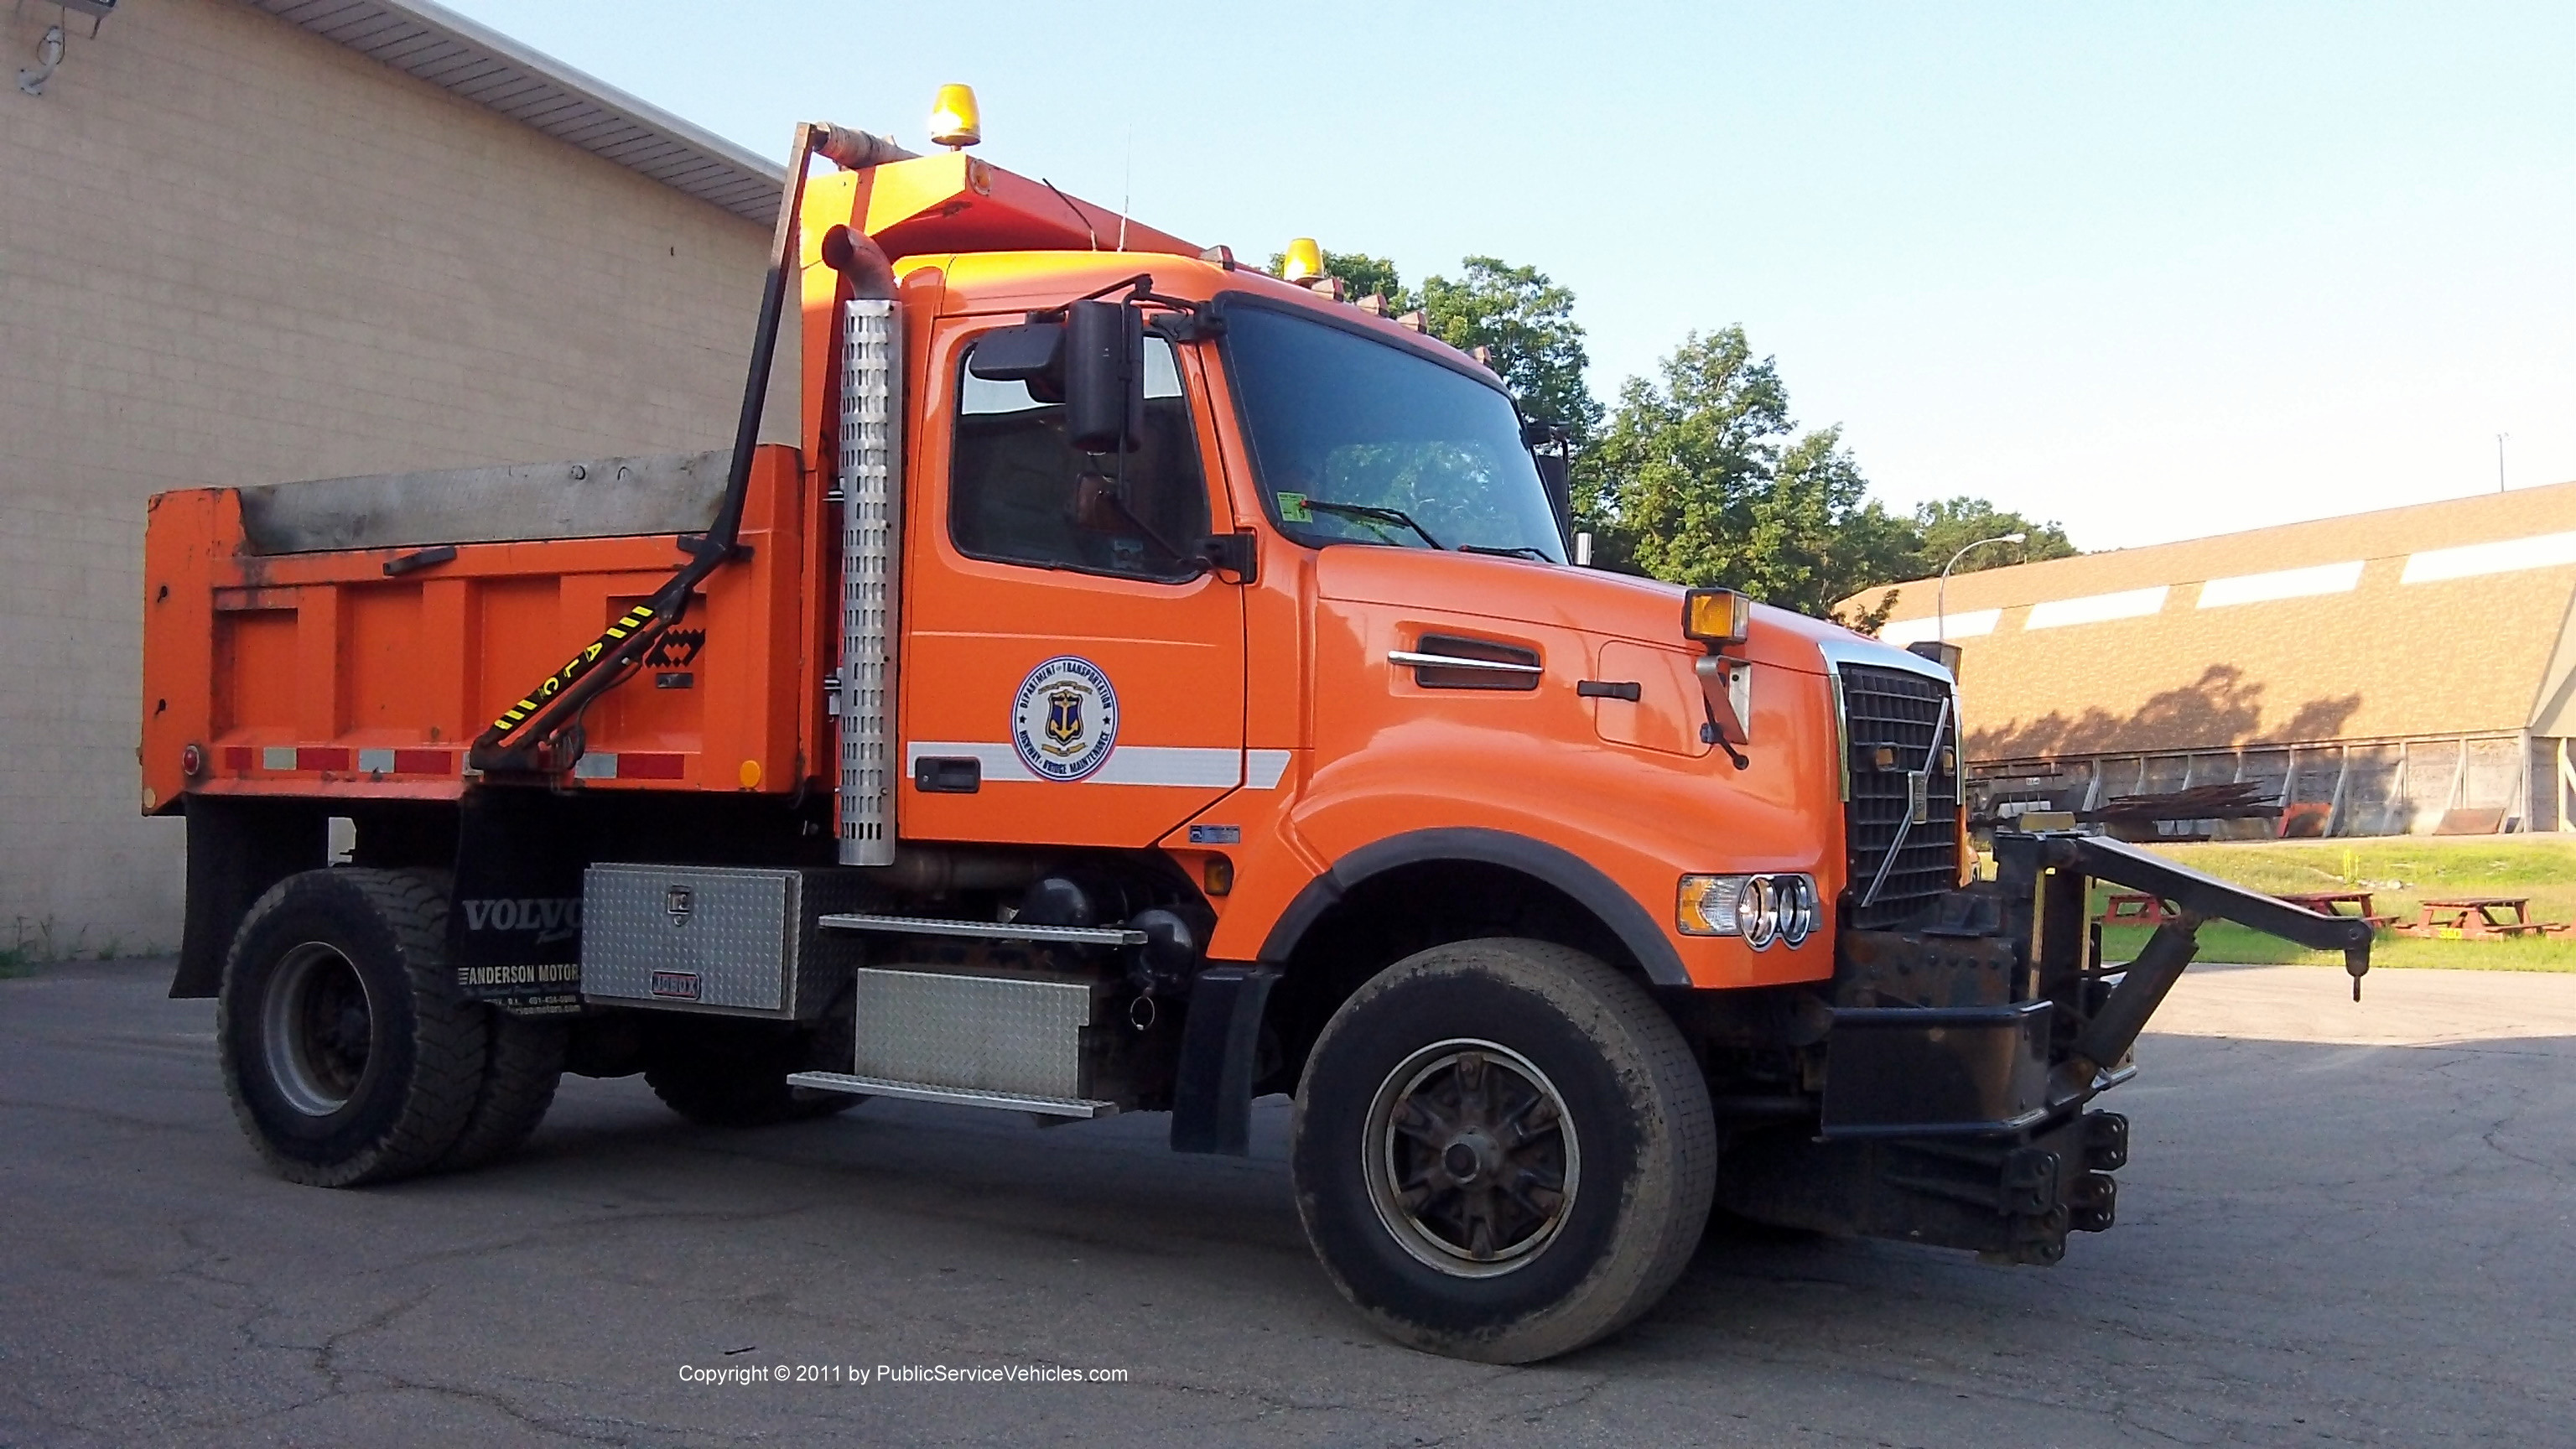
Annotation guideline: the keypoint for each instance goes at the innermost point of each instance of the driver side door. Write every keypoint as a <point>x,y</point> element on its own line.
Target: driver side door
<point>1069,678</point>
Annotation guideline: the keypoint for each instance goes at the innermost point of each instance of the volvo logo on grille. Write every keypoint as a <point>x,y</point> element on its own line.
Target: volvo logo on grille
<point>678,902</point>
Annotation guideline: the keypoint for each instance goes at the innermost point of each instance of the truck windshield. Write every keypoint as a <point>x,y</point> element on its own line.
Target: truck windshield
<point>1358,441</point>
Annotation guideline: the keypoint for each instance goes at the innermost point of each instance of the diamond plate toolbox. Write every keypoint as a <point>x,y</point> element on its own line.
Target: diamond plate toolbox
<point>990,1033</point>
<point>715,938</point>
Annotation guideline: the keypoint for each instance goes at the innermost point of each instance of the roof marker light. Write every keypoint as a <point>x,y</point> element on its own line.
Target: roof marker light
<point>956,122</point>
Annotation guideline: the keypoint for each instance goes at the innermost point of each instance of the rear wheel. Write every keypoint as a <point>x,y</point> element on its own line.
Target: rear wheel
<point>728,1074</point>
<point>520,1074</point>
<point>347,1053</point>
<point>1503,1150</point>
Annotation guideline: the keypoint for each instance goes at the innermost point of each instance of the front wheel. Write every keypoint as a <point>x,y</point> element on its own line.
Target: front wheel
<point>1503,1150</point>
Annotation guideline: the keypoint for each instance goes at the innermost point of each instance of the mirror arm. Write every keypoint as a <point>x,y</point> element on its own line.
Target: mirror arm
<point>1237,553</point>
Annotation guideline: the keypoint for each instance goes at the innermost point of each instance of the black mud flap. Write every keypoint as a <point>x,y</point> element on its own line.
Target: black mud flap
<point>514,922</point>
<point>1220,1051</point>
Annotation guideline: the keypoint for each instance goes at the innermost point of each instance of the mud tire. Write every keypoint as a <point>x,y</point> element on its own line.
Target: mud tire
<point>1626,1082</point>
<point>520,1074</point>
<point>720,1075</point>
<point>346,1050</point>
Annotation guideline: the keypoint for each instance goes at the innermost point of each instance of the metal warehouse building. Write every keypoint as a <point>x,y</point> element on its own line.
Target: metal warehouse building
<point>249,242</point>
<point>2405,671</point>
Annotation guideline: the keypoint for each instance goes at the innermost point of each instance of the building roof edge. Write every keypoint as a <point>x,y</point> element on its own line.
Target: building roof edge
<point>480,64</point>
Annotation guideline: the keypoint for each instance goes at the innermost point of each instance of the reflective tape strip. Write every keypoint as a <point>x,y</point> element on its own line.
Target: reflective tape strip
<point>321,758</point>
<point>1180,766</point>
<point>240,757</point>
<point>1263,769</point>
<point>376,762</point>
<point>424,762</point>
<point>277,757</point>
<point>595,767</point>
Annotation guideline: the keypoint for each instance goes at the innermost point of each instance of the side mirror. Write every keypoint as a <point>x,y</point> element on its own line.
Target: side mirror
<point>1556,475</point>
<point>1104,376</point>
<point>1547,443</point>
<point>1032,353</point>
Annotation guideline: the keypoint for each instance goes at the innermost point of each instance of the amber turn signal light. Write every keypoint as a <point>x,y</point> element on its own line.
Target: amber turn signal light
<point>1717,616</point>
<point>1217,875</point>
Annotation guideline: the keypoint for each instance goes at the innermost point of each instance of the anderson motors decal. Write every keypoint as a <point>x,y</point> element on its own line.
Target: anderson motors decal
<point>1064,721</point>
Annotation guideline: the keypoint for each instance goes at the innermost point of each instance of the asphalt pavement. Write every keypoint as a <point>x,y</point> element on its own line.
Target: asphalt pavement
<point>2340,1225</point>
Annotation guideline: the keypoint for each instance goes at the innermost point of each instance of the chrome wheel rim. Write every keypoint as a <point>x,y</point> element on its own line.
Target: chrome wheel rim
<point>319,1029</point>
<point>1471,1158</point>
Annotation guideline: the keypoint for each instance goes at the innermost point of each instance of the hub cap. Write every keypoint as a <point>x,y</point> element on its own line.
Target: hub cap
<point>318,1028</point>
<point>1470,1158</point>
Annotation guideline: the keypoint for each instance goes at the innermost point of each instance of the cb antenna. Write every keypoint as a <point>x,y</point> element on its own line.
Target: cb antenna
<point>1127,187</point>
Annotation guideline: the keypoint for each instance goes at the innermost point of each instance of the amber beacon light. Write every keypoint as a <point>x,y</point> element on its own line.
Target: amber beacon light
<point>956,122</point>
<point>1304,260</point>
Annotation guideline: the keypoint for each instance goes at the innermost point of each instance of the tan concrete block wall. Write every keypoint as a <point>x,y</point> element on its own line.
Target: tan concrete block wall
<point>232,252</point>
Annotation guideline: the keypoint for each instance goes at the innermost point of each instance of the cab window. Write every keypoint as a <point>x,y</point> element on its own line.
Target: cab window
<point>1018,493</point>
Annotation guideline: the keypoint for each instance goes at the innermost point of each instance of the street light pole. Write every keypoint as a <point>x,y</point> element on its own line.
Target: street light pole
<point>1941,597</point>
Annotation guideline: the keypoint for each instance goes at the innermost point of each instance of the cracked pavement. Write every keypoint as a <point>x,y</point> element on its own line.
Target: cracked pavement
<point>2341,1225</point>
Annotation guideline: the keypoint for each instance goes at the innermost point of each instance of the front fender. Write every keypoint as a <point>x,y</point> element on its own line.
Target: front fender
<point>1589,887</point>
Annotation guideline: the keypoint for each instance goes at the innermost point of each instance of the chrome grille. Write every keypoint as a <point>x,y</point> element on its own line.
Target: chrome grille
<point>1898,708</point>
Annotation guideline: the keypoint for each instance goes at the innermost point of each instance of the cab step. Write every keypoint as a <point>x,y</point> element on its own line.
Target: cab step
<point>984,930</point>
<point>1079,1108</point>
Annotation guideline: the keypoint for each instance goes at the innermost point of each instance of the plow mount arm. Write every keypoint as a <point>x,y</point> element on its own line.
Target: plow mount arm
<point>2053,872</point>
<point>2211,899</point>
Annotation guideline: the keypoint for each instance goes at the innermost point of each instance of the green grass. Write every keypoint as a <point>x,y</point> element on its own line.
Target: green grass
<point>2400,873</point>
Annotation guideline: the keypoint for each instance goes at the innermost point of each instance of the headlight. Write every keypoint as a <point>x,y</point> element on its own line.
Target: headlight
<point>1757,912</point>
<point>1759,908</point>
<point>1797,909</point>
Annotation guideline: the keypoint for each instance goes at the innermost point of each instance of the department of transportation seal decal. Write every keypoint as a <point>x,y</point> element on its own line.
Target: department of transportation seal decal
<point>1064,721</point>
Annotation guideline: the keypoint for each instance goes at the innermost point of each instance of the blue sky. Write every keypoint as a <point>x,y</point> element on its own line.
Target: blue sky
<point>2152,270</point>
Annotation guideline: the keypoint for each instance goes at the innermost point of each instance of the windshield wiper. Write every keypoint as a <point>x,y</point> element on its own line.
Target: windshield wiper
<point>1518,550</point>
<point>1390,515</point>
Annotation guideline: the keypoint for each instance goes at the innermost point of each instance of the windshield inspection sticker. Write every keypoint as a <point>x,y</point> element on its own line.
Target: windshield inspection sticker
<point>1292,508</point>
<point>1064,721</point>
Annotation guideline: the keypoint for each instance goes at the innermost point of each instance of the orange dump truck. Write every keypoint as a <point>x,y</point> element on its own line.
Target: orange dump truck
<point>1145,684</point>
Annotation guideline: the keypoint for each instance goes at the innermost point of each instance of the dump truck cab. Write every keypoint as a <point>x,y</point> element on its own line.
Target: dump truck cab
<point>1141,684</point>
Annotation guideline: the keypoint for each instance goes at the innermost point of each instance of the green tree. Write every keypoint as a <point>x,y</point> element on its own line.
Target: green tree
<point>1946,525</point>
<point>1526,323</point>
<point>1702,478</point>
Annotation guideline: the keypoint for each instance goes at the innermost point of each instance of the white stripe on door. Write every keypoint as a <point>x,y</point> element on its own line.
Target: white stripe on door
<point>1177,765</point>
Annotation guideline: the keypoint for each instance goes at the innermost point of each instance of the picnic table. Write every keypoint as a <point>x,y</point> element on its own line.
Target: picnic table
<point>2134,908</point>
<point>2333,903</point>
<point>2480,918</point>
